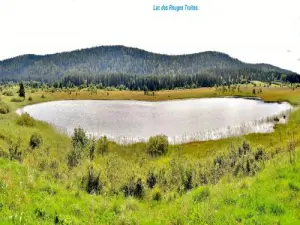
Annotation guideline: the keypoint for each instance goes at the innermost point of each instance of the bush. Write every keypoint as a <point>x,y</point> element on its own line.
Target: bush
<point>151,180</point>
<point>133,188</point>
<point>8,93</point>
<point>93,185</point>
<point>16,100</point>
<point>36,140</point>
<point>4,108</point>
<point>157,145</point>
<point>79,138</point>
<point>201,194</point>
<point>30,98</point>
<point>43,96</point>
<point>73,158</point>
<point>260,154</point>
<point>15,152</point>
<point>156,194</point>
<point>102,145</point>
<point>26,120</point>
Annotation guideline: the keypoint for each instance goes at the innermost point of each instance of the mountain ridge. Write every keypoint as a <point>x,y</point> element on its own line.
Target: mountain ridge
<point>111,59</point>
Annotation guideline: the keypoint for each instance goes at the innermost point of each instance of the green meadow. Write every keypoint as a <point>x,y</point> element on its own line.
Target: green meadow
<point>47,177</point>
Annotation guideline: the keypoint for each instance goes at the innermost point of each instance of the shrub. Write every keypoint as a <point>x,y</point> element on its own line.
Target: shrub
<point>30,98</point>
<point>15,152</point>
<point>133,188</point>
<point>16,100</point>
<point>151,180</point>
<point>79,138</point>
<point>4,108</point>
<point>43,96</point>
<point>92,150</point>
<point>188,181</point>
<point>8,93</point>
<point>157,145</point>
<point>93,184</point>
<point>102,145</point>
<point>156,194</point>
<point>260,154</point>
<point>201,194</point>
<point>36,140</point>
<point>26,120</point>
<point>73,158</point>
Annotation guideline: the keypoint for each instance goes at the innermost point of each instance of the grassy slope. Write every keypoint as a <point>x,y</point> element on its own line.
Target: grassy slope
<point>30,195</point>
<point>271,197</point>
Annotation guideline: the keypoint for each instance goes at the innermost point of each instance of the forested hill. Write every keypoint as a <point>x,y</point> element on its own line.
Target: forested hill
<point>103,61</point>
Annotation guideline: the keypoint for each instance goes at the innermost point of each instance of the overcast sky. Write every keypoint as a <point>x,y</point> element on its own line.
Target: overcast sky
<point>254,31</point>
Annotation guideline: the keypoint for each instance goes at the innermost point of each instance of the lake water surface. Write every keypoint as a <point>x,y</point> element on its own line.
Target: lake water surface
<point>181,120</point>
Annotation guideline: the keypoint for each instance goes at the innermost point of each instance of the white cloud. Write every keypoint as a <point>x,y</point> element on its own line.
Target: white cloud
<point>251,30</point>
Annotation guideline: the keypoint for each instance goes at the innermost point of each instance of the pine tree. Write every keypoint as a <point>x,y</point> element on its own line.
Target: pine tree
<point>22,90</point>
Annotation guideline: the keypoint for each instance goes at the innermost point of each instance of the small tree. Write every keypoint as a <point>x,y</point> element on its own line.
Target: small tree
<point>22,90</point>
<point>157,145</point>
<point>79,138</point>
<point>92,150</point>
<point>102,145</point>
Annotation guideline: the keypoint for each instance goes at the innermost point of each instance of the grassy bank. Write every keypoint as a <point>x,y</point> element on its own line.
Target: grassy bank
<point>40,187</point>
<point>271,197</point>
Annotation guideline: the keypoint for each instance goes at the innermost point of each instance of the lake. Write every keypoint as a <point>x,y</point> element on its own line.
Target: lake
<point>181,120</point>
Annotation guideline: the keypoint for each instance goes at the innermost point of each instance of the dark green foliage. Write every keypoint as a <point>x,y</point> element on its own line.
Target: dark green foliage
<point>260,154</point>
<point>188,181</point>
<point>15,152</point>
<point>4,108</point>
<point>123,67</point>
<point>26,120</point>
<point>151,180</point>
<point>36,140</point>
<point>156,194</point>
<point>92,150</point>
<point>241,161</point>
<point>133,188</point>
<point>93,184</point>
<point>79,138</point>
<point>157,145</point>
<point>79,143</point>
<point>22,90</point>
<point>30,98</point>
<point>73,158</point>
<point>102,145</point>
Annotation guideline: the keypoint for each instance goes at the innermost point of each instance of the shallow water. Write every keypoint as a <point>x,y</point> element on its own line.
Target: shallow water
<point>181,120</point>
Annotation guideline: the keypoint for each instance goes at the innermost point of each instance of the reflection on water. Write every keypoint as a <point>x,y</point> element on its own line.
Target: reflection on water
<point>180,120</point>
